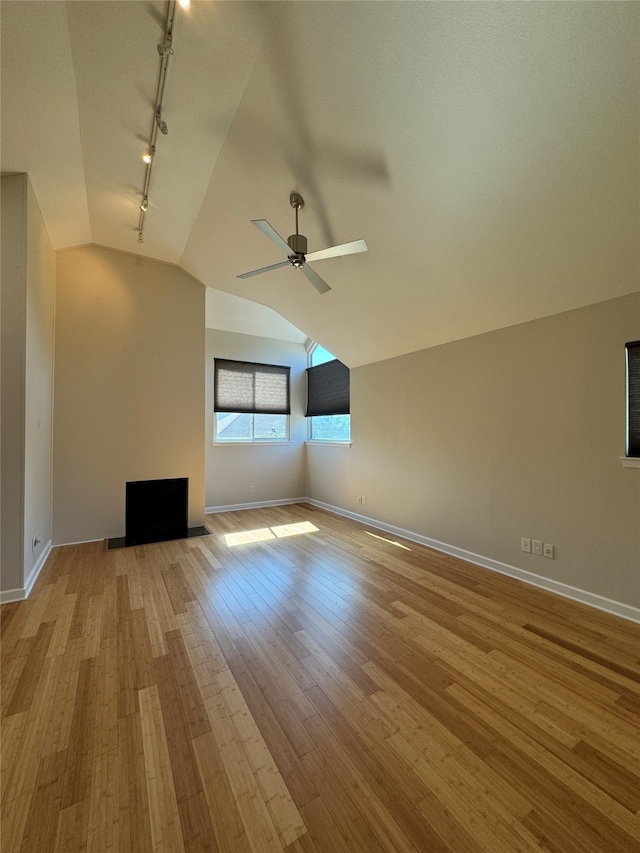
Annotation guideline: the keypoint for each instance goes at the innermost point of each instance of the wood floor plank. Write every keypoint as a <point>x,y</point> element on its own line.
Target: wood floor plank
<point>225,817</point>
<point>349,821</point>
<point>42,821</point>
<point>134,825</point>
<point>256,818</point>
<point>28,682</point>
<point>20,775</point>
<point>176,725</point>
<point>197,829</point>
<point>77,778</point>
<point>163,807</point>
<point>103,825</point>
<point>328,688</point>
<point>73,827</point>
<point>322,827</point>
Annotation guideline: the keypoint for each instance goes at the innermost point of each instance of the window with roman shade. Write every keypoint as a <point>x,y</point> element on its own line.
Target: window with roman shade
<point>328,389</point>
<point>251,402</point>
<point>633,399</point>
<point>250,388</point>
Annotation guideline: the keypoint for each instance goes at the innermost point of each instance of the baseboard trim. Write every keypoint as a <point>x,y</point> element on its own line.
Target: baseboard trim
<point>617,608</point>
<point>19,594</point>
<point>209,510</point>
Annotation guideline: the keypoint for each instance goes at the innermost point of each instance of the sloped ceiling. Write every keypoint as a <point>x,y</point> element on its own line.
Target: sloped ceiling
<point>487,152</point>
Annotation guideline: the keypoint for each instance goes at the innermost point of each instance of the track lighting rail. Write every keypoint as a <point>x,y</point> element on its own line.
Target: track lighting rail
<point>165,51</point>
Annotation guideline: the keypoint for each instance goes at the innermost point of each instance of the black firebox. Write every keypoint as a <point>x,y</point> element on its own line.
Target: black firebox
<point>156,511</point>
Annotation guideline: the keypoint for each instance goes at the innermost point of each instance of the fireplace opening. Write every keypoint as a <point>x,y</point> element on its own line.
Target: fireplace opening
<point>156,511</point>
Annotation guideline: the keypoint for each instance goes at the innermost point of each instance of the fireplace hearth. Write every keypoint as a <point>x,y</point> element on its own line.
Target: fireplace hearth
<point>156,511</point>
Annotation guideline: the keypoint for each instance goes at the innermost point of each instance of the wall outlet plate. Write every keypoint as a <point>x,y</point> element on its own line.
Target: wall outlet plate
<point>536,547</point>
<point>525,544</point>
<point>548,550</point>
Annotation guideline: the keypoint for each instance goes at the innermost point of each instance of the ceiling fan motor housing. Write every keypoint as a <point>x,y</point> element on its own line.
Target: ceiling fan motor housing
<point>298,244</point>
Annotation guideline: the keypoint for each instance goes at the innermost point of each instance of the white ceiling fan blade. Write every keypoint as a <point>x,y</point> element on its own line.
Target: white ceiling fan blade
<point>320,284</point>
<point>272,234</point>
<point>263,269</point>
<point>337,251</point>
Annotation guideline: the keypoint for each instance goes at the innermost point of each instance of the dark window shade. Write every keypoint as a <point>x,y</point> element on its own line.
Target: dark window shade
<point>328,389</point>
<point>633,398</point>
<point>255,389</point>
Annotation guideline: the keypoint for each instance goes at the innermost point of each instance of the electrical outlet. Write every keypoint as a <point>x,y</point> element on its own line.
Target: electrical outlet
<point>536,547</point>
<point>525,544</point>
<point>364,500</point>
<point>548,550</point>
<point>252,489</point>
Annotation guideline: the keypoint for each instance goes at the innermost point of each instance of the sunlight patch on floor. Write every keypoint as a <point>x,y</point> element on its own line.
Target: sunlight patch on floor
<point>390,541</point>
<point>263,534</point>
<point>294,529</point>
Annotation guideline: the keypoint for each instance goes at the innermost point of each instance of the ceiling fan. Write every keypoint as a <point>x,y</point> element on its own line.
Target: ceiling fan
<point>295,248</point>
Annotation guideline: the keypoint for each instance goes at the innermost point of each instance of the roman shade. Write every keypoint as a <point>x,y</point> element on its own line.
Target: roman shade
<point>250,388</point>
<point>633,398</point>
<point>328,389</point>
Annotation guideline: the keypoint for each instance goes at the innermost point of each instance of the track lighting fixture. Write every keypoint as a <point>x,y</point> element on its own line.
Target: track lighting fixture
<point>165,49</point>
<point>162,125</point>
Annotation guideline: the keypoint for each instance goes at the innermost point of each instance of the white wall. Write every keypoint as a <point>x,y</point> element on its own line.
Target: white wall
<point>14,320</point>
<point>276,471</point>
<point>513,433</point>
<point>129,401</point>
<point>28,287</point>
<point>41,277</point>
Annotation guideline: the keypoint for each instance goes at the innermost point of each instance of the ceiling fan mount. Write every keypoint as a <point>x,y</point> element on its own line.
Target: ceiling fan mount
<point>297,242</point>
<point>296,249</point>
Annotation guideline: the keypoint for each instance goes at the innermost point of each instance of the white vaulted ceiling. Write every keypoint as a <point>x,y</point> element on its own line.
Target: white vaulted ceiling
<point>487,152</point>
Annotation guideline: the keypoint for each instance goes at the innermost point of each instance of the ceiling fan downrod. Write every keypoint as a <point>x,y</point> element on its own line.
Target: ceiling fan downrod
<point>297,242</point>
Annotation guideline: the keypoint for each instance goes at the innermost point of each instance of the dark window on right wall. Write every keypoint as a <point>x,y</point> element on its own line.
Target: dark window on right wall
<point>328,397</point>
<point>633,398</point>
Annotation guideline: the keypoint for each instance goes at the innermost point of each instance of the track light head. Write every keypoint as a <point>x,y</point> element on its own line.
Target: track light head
<point>165,48</point>
<point>148,155</point>
<point>140,237</point>
<point>162,125</point>
<point>145,205</point>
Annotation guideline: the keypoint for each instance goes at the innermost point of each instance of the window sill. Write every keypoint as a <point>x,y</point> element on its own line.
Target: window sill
<point>630,461</point>
<point>319,443</point>
<point>249,443</point>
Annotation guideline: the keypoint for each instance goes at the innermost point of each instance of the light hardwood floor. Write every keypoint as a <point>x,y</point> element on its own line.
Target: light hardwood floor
<point>314,691</point>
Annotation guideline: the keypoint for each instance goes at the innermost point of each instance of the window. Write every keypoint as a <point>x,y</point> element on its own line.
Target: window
<point>633,399</point>
<point>328,398</point>
<point>244,427</point>
<point>251,401</point>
